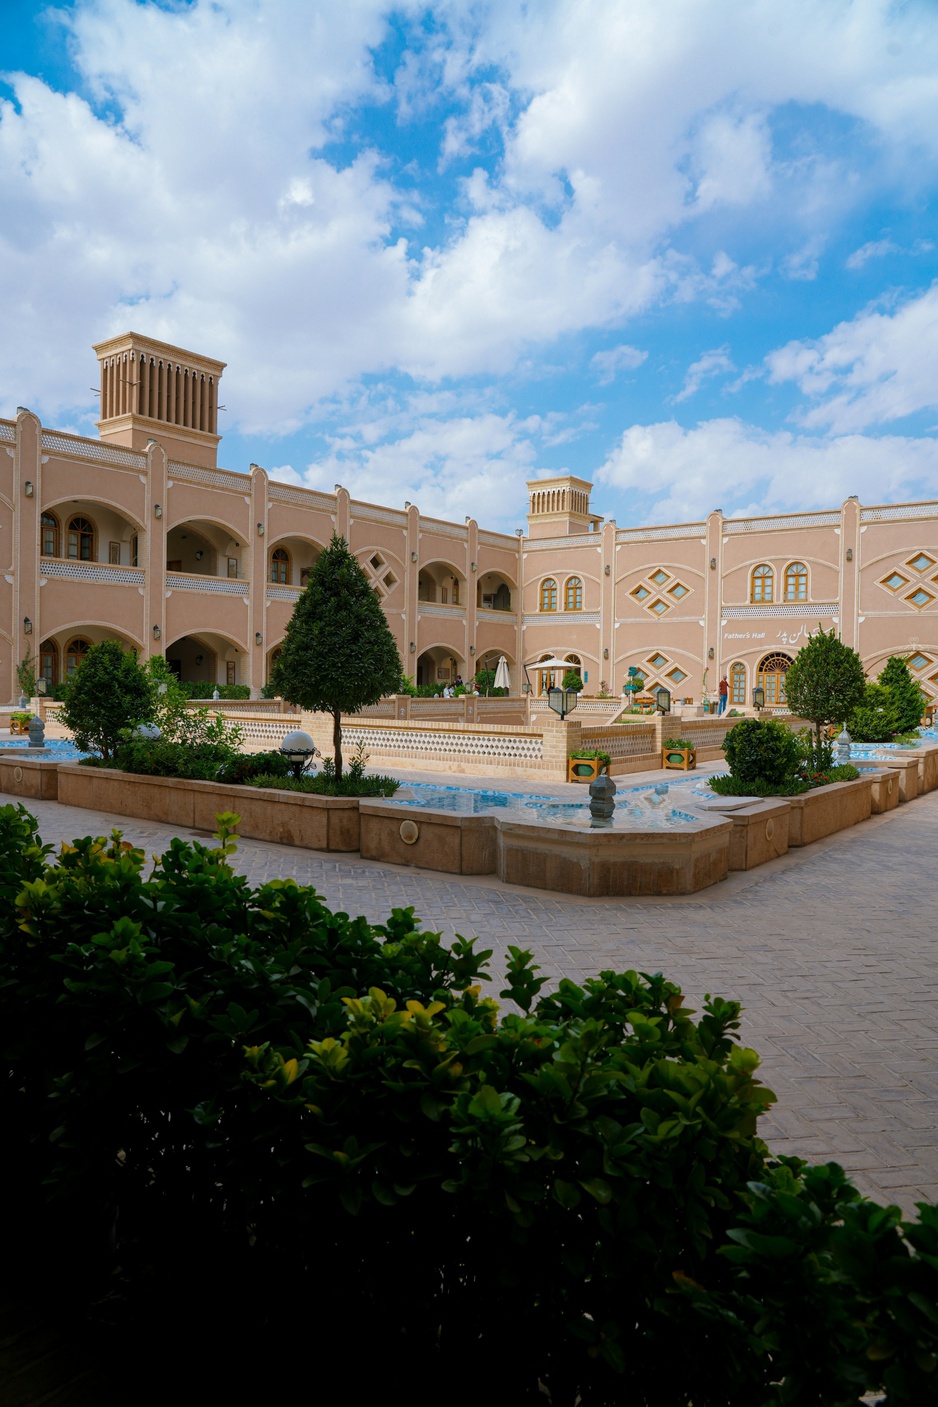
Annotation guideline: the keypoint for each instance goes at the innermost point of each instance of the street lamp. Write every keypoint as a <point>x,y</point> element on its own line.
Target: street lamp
<point>663,700</point>
<point>562,701</point>
<point>299,750</point>
<point>758,697</point>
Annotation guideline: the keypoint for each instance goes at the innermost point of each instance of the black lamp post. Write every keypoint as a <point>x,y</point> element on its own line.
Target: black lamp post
<point>663,700</point>
<point>562,701</point>
<point>299,750</point>
<point>758,697</point>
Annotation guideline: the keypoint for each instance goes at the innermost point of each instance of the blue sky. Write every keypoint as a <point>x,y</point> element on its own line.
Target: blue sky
<point>685,248</point>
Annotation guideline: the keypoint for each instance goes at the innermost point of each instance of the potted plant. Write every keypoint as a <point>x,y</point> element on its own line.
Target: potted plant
<point>679,755</point>
<point>19,721</point>
<point>586,764</point>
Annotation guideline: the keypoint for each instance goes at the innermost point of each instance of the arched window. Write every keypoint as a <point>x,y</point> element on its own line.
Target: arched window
<point>763,584</point>
<point>50,535</point>
<point>49,664</point>
<point>549,595</point>
<point>796,582</point>
<point>274,657</point>
<point>75,655</point>
<point>738,684</point>
<point>280,566</point>
<point>573,594</point>
<point>81,540</point>
<point>771,677</point>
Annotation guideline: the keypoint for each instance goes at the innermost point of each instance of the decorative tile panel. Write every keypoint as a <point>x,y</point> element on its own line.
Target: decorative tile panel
<point>92,449</point>
<point>176,581</point>
<point>785,609</point>
<point>214,478</point>
<point>91,571</point>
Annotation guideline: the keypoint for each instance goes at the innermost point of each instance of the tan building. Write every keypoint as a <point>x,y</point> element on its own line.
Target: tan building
<point>138,536</point>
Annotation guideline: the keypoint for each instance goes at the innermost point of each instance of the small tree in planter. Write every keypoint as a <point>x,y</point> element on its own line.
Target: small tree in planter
<point>907,698</point>
<point>572,680</point>
<point>338,653</point>
<point>107,693</point>
<point>825,684</point>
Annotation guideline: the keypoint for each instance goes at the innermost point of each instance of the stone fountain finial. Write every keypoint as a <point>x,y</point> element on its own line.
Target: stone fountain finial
<point>842,747</point>
<point>602,800</point>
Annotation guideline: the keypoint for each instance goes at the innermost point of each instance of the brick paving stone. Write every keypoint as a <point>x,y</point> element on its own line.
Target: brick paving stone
<point>832,950</point>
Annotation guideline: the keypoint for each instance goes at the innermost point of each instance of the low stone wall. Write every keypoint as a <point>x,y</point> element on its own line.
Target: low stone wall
<point>816,814</point>
<point>28,777</point>
<point>431,840</point>
<point>904,768</point>
<point>287,817</point>
<point>449,747</point>
<point>760,833</point>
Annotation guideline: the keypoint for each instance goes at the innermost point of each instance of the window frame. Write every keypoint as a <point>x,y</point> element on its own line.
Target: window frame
<point>796,580</point>
<point>573,586</point>
<point>762,572</point>
<point>548,591</point>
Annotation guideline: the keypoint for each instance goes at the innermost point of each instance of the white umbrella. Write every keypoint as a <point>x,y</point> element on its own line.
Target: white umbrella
<point>502,678</point>
<point>551,664</point>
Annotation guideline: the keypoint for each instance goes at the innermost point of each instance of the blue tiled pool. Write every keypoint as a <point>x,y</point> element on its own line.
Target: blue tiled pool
<point>62,750</point>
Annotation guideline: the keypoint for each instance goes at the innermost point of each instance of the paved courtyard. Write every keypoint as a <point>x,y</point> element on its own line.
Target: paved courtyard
<point>833,952</point>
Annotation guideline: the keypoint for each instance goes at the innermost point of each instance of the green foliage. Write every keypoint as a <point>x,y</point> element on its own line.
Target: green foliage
<point>732,786</point>
<point>874,720</point>
<point>199,762</point>
<point>248,765</point>
<point>572,680</point>
<point>108,693</point>
<point>321,785</point>
<point>338,652</point>
<point>204,689</point>
<point>679,743</point>
<point>20,715</point>
<point>908,698</point>
<point>761,751</point>
<point>592,754</point>
<point>825,682</point>
<point>26,675</point>
<point>215,1085</point>
<point>815,755</point>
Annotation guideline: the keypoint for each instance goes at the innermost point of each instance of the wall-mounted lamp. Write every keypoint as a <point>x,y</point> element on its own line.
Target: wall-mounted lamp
<point>338,488</point>
<point>472,649</point>
<point>260,529</point>
<point>27,626</point>
<point>473,567</point>
<point>258,638</point>
<point>468,518</point>
<point>758,697</point>
<point>607,571</point>
<point>157,511</point>
<point>406,502</point>
<point>849,554</point>
<point>199,659</point>
<point>413,556</point>
<point>605,654</point>
<point>156,632</point>
<point>713,564</point>
<point>254,466</point>
<point>28,488</point>
<point>519,532</point>
<point>413,648</point>
<point>710,653</point>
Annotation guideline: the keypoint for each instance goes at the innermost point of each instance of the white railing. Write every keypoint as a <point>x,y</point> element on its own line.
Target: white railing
<point>90,571</point>
<point>781,608</point>
<point>92,449</point>
<point>226,586</point>
<point>430,608</point>
<point>215,478</point>
<point>284,593</point>
<point>799,520</point>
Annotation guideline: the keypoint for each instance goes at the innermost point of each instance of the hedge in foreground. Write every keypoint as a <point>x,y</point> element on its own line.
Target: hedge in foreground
<point>233,1092</point>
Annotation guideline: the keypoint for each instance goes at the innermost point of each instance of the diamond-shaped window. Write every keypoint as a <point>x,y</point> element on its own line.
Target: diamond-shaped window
<point>659,577</point>
<point>919,661</point>
<point>677,676</point>
<point>656,661</point>
<point>641,593</point>
<point>920,598</point>
<point>678,590</point>
<point>659,607</point>
<point>390,580</point>
<point>921,563</point>
<point>895,581</point>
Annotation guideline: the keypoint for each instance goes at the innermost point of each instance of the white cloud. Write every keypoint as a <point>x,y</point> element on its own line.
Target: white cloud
<point>681,474</point>
<point>877,368</point>
<point>713,363</point>
<point>610,363</point>
<point>873,249</point>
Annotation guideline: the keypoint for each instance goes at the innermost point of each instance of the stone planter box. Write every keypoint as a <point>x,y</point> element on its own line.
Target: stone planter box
<point>826,810</point>
<point>431,840</point>
<point>885,793</point>
<point>906,769</point>
<point>287,817</point>
<point>585,769</point>
<point>27,777</point>
<point>679,759</point>
<point>760,828</point>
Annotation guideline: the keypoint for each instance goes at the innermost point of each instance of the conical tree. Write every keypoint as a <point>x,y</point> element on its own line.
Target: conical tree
<point>338,653</point>
<point>907,698</point>
<point>825,682</point>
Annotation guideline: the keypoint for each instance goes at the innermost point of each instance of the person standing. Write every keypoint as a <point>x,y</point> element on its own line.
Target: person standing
<point>724,693</point>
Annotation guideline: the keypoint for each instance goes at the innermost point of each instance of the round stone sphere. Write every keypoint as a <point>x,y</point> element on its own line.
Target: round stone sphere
<point>148,732</point>
<point>297,741</point>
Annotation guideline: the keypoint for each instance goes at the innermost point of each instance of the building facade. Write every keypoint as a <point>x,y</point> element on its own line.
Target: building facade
<point>138,536</point>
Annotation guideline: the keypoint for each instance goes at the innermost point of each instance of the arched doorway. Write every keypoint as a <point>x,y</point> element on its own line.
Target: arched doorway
<point>771,677</point>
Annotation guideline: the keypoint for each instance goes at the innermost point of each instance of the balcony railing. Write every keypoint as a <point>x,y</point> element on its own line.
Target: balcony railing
<point>90,571</point>
<point>432,608</point>
<point>225,586</point>
<point>283,593</point>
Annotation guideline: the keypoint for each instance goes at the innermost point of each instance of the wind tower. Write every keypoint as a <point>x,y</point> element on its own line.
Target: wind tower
<point>153,390</point>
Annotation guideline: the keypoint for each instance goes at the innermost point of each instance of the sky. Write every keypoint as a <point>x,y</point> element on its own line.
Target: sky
<point>686,249</point>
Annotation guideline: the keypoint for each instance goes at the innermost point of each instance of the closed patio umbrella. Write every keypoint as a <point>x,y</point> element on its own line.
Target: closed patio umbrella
<point>502,677</point>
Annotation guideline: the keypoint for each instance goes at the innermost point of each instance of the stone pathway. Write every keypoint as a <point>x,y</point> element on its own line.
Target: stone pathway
<point>833,952</point>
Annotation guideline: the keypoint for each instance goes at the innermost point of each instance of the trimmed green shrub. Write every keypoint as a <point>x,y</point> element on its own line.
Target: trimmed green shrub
<point>572,680</point>
<point>190,761</point>
<point>761,751</point>
<point>874,720</point>
<point>204,689</point>
<point>908,698</point>
<point>247,766</point>
<point>215,1087</point>
<point>732,786</point>
<point>825,682</point>
<point>108,693</point>
<point>592,754</point>
<point>325,785</point>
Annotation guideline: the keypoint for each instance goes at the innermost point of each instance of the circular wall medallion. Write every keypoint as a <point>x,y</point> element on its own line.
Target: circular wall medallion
<point>409,832</point>
<point>17,774</point>
<point>769,829</point>
<point>889,786</point>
